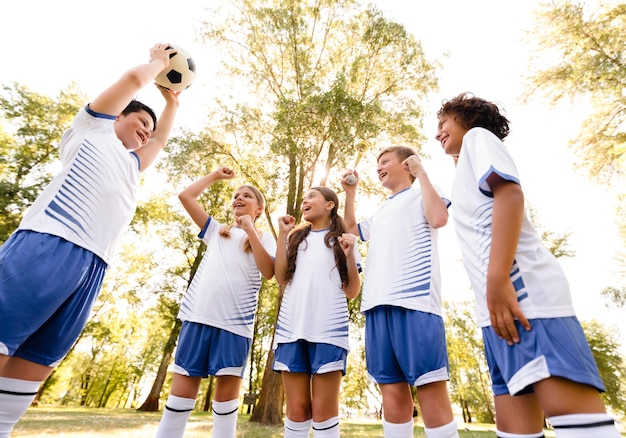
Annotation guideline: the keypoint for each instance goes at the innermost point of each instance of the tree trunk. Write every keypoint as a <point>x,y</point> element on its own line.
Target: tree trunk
<point>151,404</point>
<point>269,410</point>
<point>209,392</point>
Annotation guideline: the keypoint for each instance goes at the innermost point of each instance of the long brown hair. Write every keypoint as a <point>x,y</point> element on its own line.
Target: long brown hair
<point>337,228</point>
<point>225,230</point>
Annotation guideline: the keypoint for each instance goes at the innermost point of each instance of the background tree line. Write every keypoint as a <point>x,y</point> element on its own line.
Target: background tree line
<point>318,77</point>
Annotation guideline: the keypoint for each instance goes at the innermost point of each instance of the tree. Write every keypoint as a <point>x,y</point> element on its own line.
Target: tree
<point>605,348</point>
<point>33,124</point>
<point>322,76</point>
<point>579,55</point>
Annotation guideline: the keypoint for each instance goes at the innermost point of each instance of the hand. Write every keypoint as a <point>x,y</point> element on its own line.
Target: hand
<point>413,164</point>
<point>245,222</point>
<point>170,96</point>
<point>224,173</point>
<point>349,180</point>
<point>347,242</point>
<point>504,310</point>
<point>286,223</point>
<point>160,52</point>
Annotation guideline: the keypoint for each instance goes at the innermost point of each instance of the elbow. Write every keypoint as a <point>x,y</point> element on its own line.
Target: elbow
<point>438,221</point>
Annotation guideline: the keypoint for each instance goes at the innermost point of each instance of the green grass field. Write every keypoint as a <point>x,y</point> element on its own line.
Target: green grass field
<point>70,422</point>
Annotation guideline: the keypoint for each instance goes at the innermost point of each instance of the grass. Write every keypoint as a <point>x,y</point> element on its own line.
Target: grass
<point>72,422</point>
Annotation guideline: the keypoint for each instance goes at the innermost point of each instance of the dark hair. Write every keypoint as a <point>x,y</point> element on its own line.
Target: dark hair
<point>472,112</point>
<point>402,152</point>
<point>337,228</point>
<point>135,106</point>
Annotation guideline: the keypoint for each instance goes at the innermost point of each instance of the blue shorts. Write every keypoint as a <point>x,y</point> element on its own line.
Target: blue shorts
<point>204,351</point>
<point>554,347</point>
<point>403,345</point>
<point>310,358</point>
<point>47,289</point>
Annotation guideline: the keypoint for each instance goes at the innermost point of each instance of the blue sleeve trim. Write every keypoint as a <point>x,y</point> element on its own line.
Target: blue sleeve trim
<point>99,115</point>
<point>484,187</point>
<point>360,234</point>
<point>203,232</point>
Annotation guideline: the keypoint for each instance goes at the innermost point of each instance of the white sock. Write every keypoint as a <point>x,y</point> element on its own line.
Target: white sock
<point>15,397</point>
<point>295,429</point>
<point>175,415</point>
<point>225,418</point>
<point>584,426</point>
<point>501,434</point>
<point>450,430</point>
<point>326,428</point>
<point>398,430</point>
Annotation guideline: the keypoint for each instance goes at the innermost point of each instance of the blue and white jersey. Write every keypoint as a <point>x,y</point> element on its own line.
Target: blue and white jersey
<point>93,199</point>
<point>224,291</point>
<point>542,289</point>
<point>314,307</point>
<point>402,266</point>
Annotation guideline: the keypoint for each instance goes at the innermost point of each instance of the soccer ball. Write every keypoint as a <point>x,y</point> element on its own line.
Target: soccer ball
<point>181,72</point>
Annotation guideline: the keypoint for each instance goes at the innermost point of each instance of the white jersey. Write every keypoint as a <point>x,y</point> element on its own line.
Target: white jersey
<point>224,291</point>
<point>402,266</point>
<point>314,307</point>
<point>93,199</point>
<point>542,289</point>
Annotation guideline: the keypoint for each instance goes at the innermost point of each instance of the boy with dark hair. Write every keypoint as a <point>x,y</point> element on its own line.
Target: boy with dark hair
<point>538,356</point>
<point>52,266</point>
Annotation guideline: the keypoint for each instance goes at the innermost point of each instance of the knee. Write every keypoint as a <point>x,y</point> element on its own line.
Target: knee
<point>299,411</point>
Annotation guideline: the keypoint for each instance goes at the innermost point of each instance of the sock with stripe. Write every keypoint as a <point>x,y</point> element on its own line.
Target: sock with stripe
<point>326,428</point>
<point>398,430</point>
<point>225,418</point>
<point>15,397</point>
<point>584,426</point>
<point>175,415</point>
<point>297,429</point>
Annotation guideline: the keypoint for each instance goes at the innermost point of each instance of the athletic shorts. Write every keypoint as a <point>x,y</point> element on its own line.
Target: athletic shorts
<point>204,351</point>
<point>403,345</point>
<point>47,289</point>
<point>555,347</point>
<point>310,358</point>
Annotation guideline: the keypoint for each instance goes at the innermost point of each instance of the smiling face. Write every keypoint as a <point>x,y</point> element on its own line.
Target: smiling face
<point>450,134</point>
<point>134,129</point>
<point>392,173</point>
<point>316,209</point>
<point>246,202</point>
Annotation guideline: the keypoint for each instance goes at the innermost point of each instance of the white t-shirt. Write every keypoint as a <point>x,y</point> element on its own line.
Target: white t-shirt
<point>542,289</point>
<point>314,307</point>
<point>92,200</point>
<point>402,266</point>
<point>224,291</point>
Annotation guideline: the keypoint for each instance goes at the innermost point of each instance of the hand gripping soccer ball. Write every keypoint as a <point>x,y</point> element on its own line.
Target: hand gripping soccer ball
<point>180,73</point>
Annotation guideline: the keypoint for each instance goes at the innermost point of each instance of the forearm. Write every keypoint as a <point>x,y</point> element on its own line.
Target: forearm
<point>354,279</point>
<point>435,208</point>
<point>349,215</point>
<point>280,262</point>
<point>263,260</point>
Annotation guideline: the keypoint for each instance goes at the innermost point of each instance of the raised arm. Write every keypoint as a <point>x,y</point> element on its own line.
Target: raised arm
<point>189,196</point>
<point>435,208</point>
<point>347,242</point>
<point>285,225</point>
<point>116,97</point>
<point>262,258</point>
<point>349,215</point>
<point>157,141</point>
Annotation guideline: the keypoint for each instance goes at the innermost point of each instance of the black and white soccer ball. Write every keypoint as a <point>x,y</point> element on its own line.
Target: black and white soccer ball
<point>180,73</point>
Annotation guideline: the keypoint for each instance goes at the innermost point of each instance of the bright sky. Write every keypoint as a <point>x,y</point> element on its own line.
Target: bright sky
<point>46,45</point>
